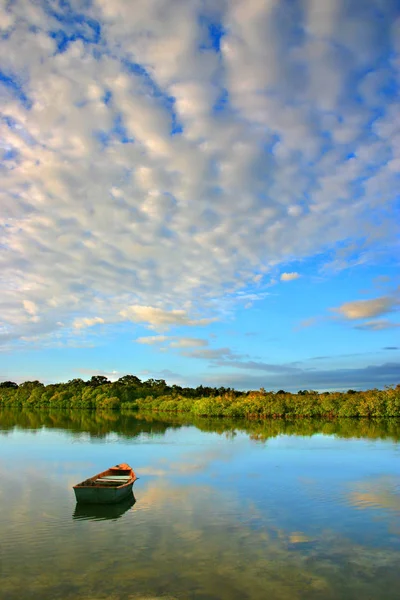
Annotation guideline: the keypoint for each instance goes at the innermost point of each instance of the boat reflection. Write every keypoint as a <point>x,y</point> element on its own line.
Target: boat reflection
<point>103,512</point>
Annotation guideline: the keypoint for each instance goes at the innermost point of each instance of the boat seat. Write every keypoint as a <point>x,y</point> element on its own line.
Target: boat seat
<point>116,477</point>
<point>109,482</point>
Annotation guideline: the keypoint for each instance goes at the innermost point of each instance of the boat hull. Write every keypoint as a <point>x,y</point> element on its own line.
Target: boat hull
<point>109,487</point>
<point>85,511</point>
<point>101,495</point>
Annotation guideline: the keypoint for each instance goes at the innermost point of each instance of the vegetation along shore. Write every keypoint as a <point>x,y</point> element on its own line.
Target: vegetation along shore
<point>154,395</point>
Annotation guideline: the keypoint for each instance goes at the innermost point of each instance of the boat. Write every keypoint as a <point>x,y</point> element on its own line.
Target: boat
<point>109,487</point>
<point>103,512</point>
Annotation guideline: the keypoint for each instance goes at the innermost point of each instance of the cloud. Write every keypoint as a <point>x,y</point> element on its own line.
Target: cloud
<point>310,322</point>
<point>30,307</point>
<point>290,379</point>
<point>380,494</point>
<point>377,325</point>
<point>391,348</point>
<point>171,377</point>
<point>152,339</point>
<point>159,318</point>
<point>173,341</point>
<point>111,375</point>
<point>289,276</point>
<point>381,280</point>
<point>259,366</point>
<point>364,309</point>
<point>188,342</point>
<point>88,322</point>
<point>336,356</point>
<point>211,354</point>
<point>142,160</point>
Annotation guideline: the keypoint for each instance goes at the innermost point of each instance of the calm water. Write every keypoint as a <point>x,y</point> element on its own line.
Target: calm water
<point>225,511</point>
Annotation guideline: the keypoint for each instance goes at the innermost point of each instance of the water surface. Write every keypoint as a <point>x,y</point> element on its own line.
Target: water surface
<point>222,510</point>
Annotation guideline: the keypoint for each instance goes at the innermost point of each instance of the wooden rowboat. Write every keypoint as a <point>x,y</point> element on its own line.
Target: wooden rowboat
<point>109,487</point>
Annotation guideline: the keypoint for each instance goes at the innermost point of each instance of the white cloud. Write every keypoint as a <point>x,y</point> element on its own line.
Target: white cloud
<point>188,342</point>
<point>289,276</point>
<point>152,339</point>
<point>87,322</point>
<point>364,309</point>
<point>102,208</point>
<point>210,354</point>
<point>294,210</point>
<point>158,318</point>
<point>32,309</point>
<point>173,341</point>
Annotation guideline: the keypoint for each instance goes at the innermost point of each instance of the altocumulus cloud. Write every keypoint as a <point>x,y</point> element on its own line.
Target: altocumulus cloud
<point>362,309</point>
<point>149,340</point>
<point>144,156</point>
<point>172,341</point>
<point>88,322</point>
<point>289,276</point>
<point>158,318</point>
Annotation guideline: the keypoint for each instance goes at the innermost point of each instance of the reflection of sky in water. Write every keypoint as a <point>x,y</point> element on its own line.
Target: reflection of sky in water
<point>223,516</point>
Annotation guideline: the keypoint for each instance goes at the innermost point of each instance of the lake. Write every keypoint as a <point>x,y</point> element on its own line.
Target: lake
<point>221,510</point>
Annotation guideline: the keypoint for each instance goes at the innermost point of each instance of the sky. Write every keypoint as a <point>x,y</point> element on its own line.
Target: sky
<point>202,191</point>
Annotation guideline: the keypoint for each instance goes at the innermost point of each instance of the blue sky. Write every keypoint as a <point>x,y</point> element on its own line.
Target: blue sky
<point>205,192</point>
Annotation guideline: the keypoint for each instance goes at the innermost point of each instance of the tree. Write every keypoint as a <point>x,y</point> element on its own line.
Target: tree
<point>31,384</point>
<point>76,383</point>
<point>97,380</point>
<point>156,383</point>
<point>8,384</point>
<point>129,380</point>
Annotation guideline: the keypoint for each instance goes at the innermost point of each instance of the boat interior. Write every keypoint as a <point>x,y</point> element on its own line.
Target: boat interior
<point>114,477</point>
<point>112,480</point>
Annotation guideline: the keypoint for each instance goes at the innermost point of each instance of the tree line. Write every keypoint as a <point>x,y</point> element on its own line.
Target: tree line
<point>98,392</point>
<point>155,395</point>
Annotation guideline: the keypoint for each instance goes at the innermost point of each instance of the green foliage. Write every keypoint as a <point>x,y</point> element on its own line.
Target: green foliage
<point>97,380</point>
<point>264,405</point>
<point>8,384</point>
<point>129,393</point>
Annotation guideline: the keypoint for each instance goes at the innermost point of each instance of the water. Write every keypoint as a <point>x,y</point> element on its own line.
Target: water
<point>221,511</point>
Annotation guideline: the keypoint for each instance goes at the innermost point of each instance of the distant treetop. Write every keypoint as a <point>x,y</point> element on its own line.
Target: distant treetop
<point>8,384</point>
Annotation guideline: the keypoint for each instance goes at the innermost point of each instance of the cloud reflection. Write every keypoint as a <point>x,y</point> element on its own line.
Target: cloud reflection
<point>381,494</point>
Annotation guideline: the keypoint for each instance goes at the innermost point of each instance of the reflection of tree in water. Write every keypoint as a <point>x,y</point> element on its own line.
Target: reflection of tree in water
<point>264,429</point>
<point>98,424</point>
